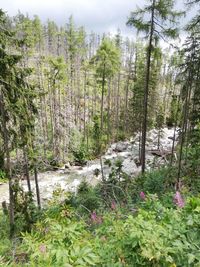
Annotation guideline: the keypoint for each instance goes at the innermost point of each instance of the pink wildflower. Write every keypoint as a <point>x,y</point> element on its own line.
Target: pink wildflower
<point>95,218</point>
<point>113,205</point>
<point>42,248</point>
<point>178,200</point>
<point>142,195</point>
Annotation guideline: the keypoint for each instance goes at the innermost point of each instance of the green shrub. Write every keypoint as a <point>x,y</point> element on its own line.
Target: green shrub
<point>121,136</point>
<point>80,155</point>
<point>158,181</point>
<point>150,235</point>
<point>3,178</point>
<point>5,244</point>
<point>61,243</point>
<point>26,213</point>
<point>153,236</point>
<point>87,198</point>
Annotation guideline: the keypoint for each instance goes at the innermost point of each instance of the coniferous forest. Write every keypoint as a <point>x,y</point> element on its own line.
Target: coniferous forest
<point>100,140</point>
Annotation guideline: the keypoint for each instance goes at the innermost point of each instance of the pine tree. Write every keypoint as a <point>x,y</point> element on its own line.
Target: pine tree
<point>107,63</point>
<point>16,104</point>
<point>190,97</point>
<point>156,20</point>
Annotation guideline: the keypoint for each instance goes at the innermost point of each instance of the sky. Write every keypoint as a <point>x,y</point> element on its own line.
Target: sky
<point>95,15</point>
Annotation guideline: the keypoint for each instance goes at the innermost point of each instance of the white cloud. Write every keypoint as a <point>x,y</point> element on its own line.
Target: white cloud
<point>96,15</point>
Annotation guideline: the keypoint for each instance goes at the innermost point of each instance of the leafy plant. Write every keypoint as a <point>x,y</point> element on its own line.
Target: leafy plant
<point>80,155</point>
<point>63,242</point>
<point>3,178</point>
<point>87,199</point>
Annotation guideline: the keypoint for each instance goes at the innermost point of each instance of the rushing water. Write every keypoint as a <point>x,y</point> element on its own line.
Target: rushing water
<point>69,179</point>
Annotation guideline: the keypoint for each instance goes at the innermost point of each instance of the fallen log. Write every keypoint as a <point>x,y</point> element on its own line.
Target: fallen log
<point>160,153</point>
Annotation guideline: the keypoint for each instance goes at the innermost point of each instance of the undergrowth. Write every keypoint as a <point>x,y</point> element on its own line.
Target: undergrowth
<point>120,222</point>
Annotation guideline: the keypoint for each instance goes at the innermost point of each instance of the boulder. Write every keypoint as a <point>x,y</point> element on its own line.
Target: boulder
<point>129,166</point>
<point>124,155</point>
<point>67,165</point>
<point>137,161</point>
<point>112,147</point>
<point>109,151</point>
<point>121,146</point>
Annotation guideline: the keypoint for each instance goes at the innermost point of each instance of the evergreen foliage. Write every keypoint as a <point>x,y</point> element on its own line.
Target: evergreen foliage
<point>65,95</point>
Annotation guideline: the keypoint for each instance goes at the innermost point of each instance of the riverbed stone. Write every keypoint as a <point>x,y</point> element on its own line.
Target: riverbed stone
<point>129,166</point>
<point>121,146</point>
<point>128,151</point>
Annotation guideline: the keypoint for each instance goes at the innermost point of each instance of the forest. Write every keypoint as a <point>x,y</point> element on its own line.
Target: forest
<point>100,141</point>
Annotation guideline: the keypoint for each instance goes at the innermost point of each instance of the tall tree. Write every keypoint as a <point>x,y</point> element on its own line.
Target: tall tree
<point>190,97</point>
<point>156,20</point>
<point>107,63</point>
<point>16,104</point>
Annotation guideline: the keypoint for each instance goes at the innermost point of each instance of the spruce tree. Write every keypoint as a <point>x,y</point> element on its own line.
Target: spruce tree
<point>17,106</point>
<point>107,63</point>
<point>157,20</point>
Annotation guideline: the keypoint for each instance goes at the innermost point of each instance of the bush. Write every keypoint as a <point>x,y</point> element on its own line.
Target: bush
<point>3,178</point>
<point>155,236</point>
<point>87,198</point>
<point>26,213</point>
<point>5,244</point>
<point>149,235</point>
<point>61,243</point>
<point>158,181</point>
<point>80,155</point>
<point>121,136</point>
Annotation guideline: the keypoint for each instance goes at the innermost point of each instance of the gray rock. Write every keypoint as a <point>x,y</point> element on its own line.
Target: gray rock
<point>124,155</point>
<point>121,146</point>
<point>129,166</point>
<point>130,148</point>
<point>109,151</point>
<point>69,177</point>
<point>67,165</point>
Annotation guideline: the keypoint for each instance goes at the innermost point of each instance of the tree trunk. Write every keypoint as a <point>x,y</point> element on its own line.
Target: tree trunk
<point>109,132</point>
<point>102,98</point>
<point>7,166</point>
<point>26,166</point>
<point>126,105</point>
<point>37,187</point>
<point>117,108</point>
<point>174,135</point>
<point>183,133</point>
<point>146,90</point>
<point>84,107</point>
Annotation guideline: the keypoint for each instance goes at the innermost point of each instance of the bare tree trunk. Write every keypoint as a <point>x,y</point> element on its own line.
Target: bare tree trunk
<point>37,187</point>
<point>109,132</point>
<point>159,135</point>
<point>84,108</point>
<point>102,172</point>
<point>102,98</point>
<point>139,145</point>
<point>117,109</point>
<point>42,111</point>
<point>126,105</point>
<point>146,91</point>
<point>26,165</point>
<point>125,126</point>
<point>183,133</point>
<point>51,114</point>
<point>174,135</point>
